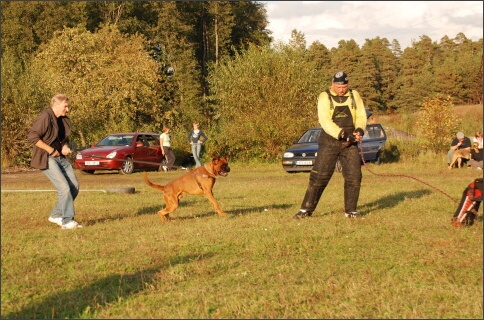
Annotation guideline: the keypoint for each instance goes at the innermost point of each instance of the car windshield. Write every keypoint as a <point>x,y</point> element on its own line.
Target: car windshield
<point>116,140</point>
<point>310,136</point>
<point>373,132</point>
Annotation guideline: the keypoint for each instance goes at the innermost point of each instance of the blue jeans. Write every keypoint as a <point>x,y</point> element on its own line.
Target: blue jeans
<point>196,148</point>
<point>61,174</point>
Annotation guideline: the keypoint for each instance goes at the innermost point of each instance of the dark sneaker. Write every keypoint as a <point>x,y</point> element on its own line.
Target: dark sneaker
<point>353,214</point>
<point>302,214</point>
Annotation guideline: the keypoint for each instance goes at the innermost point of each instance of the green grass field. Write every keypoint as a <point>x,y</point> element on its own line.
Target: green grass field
<point>403,260</point>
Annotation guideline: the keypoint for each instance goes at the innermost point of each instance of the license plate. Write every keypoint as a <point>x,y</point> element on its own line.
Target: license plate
<point>91,163</point>
<point>304,163</point>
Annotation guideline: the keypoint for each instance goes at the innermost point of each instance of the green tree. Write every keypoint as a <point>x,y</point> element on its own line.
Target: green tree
<point>396,48</point>
<point>320,56</point>
<point>297,40</point>
<point>346,57</point>
<point>34,22</point>
<point>381,69</point>
<point>265,97</point>
<point>110,78</point>
<point>180,76</point>
<point>21,95</point>
<point>436,123</point>
<point>407,97</point>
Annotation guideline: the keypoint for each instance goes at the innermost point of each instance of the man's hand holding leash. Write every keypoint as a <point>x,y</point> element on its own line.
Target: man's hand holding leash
<point>348,138</point>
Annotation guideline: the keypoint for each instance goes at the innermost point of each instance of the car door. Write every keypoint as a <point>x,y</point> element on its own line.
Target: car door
<point>153,154</point>
<point>141,152</point>
<point>373,140</point>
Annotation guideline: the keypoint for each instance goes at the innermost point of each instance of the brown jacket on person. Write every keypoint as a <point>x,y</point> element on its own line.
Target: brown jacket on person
<point>45,128</point>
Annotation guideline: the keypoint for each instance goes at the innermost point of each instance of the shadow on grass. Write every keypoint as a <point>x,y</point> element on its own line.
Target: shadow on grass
<point>84,301</point>
<point>393,200</point>
<point>210,211</point>
<point>151,210</point>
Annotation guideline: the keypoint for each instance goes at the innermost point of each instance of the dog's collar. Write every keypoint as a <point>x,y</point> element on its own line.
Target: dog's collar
<point>211,173</point>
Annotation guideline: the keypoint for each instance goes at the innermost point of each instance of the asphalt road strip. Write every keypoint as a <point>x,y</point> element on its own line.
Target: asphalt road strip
<point>94,190</point>
<point>110,189</point>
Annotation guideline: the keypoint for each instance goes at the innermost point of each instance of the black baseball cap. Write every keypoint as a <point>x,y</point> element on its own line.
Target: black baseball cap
<point>340,78</point>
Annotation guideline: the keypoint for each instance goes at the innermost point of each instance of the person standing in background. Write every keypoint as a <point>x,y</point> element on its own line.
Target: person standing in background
<point>196,138</point>
<point>49,135</point>
<point>166,149</point>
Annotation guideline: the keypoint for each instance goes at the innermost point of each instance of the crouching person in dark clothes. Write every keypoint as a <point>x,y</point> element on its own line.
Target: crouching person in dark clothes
<point>342,116</point>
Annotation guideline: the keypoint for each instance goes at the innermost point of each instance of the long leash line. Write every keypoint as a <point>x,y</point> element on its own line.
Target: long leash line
<point>362,158</point>
<point>122,160</point>
<point>401,175</point>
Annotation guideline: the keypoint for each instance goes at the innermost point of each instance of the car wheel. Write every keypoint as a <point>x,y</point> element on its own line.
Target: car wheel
<point>338,167</point>
<point>128,166</point>
<point>87,171</point>
<point>377,161</point>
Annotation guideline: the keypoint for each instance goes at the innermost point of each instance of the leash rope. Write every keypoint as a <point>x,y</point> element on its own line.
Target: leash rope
<point>401,175</point>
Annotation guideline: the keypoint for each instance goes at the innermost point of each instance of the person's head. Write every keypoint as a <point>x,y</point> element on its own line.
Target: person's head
<point>475,146</point>
<point>340,83</point>
<point>478,135</point>
<point>196,125</point>
<point>460,136</point>
<point>60,104</point>
<point>166,129</point>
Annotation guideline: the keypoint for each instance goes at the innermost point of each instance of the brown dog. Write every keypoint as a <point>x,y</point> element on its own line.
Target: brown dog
<point>196,182</point>
<point>457,157</point>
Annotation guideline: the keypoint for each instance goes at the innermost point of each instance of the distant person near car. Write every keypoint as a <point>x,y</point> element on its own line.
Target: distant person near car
<point>49,135</point>
<point>165,143</point>
<point>459,142</point>
<point>342,116</point>
<point>196,138</point>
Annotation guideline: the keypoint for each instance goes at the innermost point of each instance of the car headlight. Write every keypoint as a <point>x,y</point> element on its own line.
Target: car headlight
<point>288,155</point>
<point>111,155</point>
<point>79,156</point>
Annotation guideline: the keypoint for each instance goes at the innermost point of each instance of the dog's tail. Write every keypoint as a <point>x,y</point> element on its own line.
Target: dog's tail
<point>151,184</point>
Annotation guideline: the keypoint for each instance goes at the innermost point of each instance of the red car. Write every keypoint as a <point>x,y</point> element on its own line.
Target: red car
<point>122,151</point>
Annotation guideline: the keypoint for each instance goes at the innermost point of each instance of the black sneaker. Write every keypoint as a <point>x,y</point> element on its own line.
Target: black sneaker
<point>302,214</point>
<point>353,214</point>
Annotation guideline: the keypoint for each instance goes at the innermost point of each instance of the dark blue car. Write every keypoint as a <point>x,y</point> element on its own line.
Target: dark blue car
<point>301,155</point>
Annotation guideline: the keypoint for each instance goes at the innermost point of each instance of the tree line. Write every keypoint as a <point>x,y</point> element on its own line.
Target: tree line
<point>136,66</point>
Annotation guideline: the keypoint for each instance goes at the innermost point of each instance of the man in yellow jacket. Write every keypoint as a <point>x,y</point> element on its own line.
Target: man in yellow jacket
<point>342,116</point>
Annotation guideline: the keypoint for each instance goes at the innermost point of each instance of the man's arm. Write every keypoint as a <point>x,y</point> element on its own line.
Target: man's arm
<point>325,116</point>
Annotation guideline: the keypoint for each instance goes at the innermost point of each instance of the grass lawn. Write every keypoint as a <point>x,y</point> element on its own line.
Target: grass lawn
<point>403,260</point>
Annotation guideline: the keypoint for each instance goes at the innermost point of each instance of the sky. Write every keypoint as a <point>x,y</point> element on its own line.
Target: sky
<point>406,21</point>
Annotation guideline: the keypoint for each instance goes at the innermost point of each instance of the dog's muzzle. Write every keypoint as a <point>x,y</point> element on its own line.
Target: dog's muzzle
<point>224,170</point>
